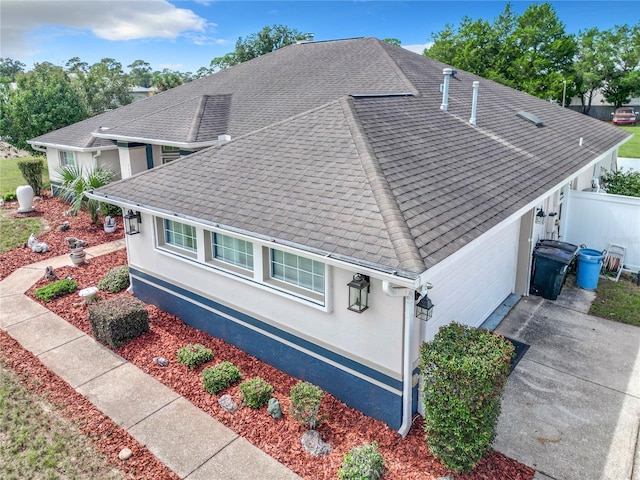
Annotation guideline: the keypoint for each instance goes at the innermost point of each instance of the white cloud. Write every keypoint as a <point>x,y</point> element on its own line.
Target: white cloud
<point>418,48</point>
<point>109,20</point>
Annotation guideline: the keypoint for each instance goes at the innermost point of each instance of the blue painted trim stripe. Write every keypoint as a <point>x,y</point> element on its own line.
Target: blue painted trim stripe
<point>322,352</point>
<point>149,152</point>
<point>129,144</point>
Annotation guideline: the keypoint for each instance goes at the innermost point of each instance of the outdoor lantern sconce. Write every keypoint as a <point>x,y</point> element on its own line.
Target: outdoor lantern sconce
<point>540,217</point>
<point>424,308</point>
<point>359,293</point>
<point>132,222</point>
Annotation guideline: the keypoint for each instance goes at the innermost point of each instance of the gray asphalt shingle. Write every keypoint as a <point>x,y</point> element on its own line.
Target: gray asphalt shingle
<point>388,180</point>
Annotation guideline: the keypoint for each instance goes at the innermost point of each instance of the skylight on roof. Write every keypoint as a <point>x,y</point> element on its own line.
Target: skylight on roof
<point>530,117</point>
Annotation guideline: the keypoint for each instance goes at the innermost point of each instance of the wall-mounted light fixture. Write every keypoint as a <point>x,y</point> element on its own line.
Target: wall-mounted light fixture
<point>424,308</point>
<point>132,222</point>
<point>359,293</point>
<point>540,216</point>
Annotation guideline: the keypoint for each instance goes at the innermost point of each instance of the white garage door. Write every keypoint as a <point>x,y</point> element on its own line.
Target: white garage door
<point>469,288</point>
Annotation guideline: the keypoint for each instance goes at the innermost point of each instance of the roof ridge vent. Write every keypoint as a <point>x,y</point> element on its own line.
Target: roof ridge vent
<point>530,117</point>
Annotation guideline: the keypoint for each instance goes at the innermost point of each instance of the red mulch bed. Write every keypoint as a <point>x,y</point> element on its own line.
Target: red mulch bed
<point>345,427</point>
<point>52,211</point>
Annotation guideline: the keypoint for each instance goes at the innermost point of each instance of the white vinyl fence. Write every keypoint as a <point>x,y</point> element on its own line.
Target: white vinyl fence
<point>599,219</point>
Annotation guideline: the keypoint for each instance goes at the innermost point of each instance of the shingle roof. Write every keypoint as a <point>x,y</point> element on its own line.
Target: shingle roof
<point>287,82</point>
<point>386,180</point>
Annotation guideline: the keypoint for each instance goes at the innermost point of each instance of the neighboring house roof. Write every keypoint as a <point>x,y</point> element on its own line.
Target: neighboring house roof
<point>387,180</point>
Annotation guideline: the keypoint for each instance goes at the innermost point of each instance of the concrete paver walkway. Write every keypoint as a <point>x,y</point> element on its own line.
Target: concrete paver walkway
<point>184,438</point>
<point>571,408</point>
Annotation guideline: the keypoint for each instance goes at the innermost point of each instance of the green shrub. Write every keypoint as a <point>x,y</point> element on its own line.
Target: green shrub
<point>193,355</point>
<point>464,371</point>
<point>622,183</point>
<point>32,172</point>
<point>109,209</point>
<point>116,279</point>
<point>256,392</point>
<point>362,463</point>
<point>305,404</point>
<point>9,197</point>
<point>56,289</point>
<point>118,320</point>
<point>219,377</point>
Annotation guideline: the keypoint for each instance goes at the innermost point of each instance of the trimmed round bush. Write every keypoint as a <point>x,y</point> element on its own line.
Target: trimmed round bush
<point>219,377</point>
<point>194,355</point>
<point>464,370</point>
<point>116,279</point>
<point>362,463</point>
<point>256,392</point>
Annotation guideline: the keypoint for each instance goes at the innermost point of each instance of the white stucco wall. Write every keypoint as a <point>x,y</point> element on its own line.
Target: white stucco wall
<point>467,288</point>
<point>86,160</point>
<point>373,337</point>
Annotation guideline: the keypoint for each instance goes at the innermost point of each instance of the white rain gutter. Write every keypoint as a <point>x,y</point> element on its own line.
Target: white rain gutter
<point>38,148</point>
<point>407,364</point>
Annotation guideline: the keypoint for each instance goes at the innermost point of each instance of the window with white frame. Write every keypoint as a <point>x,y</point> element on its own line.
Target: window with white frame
<point>169,154</point>
<point>180,235</point>
<point>67,159</point>
<point>232,250</point>
<point>299,271</point>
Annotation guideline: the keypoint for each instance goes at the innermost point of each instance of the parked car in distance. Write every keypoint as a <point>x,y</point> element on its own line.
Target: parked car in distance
<point>624,116</point>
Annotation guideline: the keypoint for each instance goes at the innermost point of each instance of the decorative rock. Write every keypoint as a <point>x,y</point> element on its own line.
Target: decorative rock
<point>274,408</point>
<point>64,227</point>
<point>226,402</point>
<point>125,454</point>
<point>312,442</point>
<point>49,274</point>
<point>89,294</point>
<point>163,362</point>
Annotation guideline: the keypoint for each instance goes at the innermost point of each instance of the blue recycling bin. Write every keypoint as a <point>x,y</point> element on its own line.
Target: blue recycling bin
<point>589,266</point>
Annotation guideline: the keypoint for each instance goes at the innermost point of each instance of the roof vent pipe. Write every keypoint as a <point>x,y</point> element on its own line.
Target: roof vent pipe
<point>447,72</point>
<point>474,103</point>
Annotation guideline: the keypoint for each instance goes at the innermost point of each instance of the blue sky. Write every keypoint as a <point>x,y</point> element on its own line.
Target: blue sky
<point>185,35</point>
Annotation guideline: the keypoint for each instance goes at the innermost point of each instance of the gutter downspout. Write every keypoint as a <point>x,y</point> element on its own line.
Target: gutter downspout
<point>95,158</point>
<point>407,364</point>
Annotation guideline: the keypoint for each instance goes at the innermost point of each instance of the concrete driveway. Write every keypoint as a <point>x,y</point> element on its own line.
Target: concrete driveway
<point>571,408</point>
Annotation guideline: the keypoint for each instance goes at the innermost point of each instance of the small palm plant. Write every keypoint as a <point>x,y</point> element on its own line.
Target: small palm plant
<point>75,183</point>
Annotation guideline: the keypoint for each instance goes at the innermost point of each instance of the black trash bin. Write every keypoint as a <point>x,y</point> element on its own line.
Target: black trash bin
<point>550,265</point>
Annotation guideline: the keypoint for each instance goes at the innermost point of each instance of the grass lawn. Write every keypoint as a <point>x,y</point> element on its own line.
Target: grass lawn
<point>631,149</point>
<point>15,231</point>
<point>618,301</point>
<point>11,177</point>
<point>38,444</point>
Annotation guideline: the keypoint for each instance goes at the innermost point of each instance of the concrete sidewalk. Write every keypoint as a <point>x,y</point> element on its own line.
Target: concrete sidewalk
<point>184,438</point>
<point>571,408</point>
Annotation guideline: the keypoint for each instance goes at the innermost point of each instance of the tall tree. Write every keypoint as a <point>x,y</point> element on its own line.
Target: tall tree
<point>167,79</point>
<point>588,67</point>
<point>531,52</point>
<point>266,40</point>
<point>106,86</point>
<point>44,100</point>
<point>544,52</point>
<point>620,49</point>
<point>140,74</point>
<point>9,69</point>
